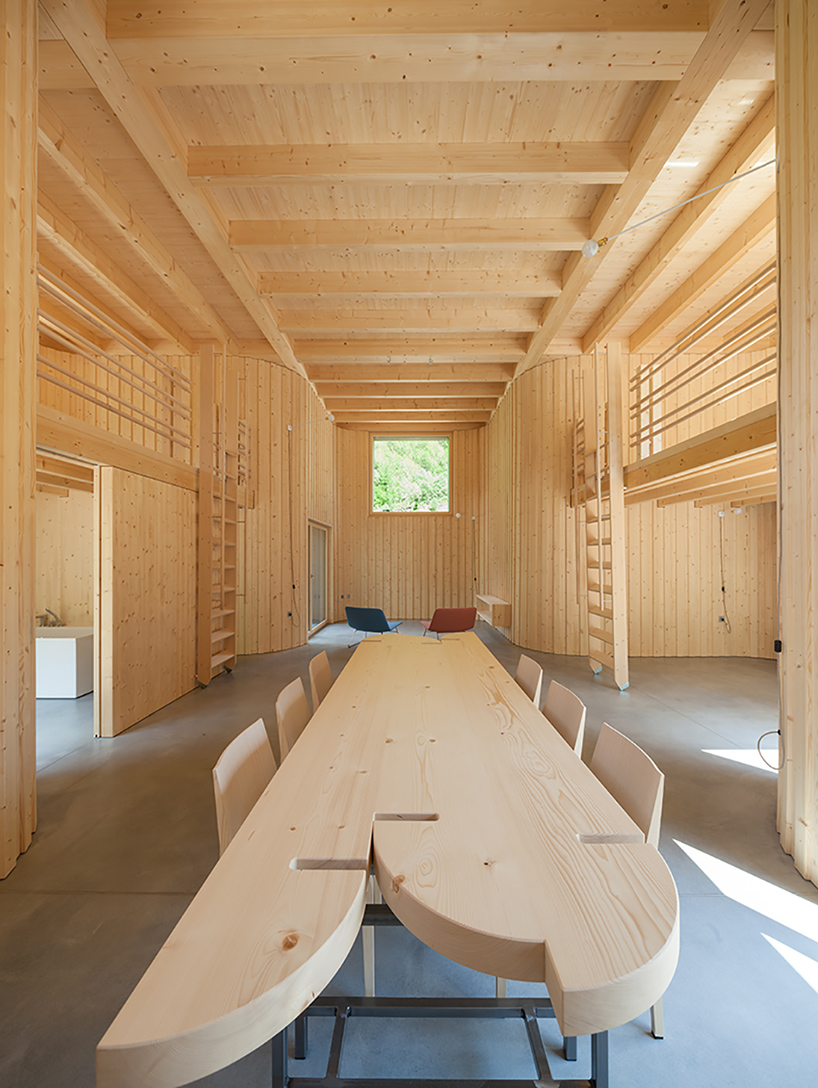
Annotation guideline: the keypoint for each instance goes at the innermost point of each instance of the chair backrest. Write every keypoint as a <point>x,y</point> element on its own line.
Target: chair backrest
<point>292,714</point>
<point>320,679</point>
<point>631,776</point>
<point>529,677</point>
<point>240,777</point>
<point>453,619</point>
<point>566,712</point>
<point>366,619</point>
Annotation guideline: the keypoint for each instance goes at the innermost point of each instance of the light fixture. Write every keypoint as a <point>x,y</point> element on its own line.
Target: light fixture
<point>593,245</point>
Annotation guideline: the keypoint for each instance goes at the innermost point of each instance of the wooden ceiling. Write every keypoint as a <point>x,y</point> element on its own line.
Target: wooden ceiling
<point>391,198</point>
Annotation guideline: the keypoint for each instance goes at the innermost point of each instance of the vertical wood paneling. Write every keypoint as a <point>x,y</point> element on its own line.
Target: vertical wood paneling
<point>18,153</point>
<point>797,129</point>
<point>64,560</point>
<point>407,564</point>
<point>294,483</point>
<point>148,596</point>
<point>674,580</point>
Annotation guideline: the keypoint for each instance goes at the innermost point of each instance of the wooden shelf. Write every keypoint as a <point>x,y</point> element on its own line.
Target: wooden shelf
<point>493,610</point>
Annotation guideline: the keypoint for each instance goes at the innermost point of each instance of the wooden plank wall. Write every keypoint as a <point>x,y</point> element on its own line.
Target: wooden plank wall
<point>18,289</point>
<point>674,570</point>
<point>797,127</point>
<point>407,564</point>
<point>271,558</point>
<point>64,562</point>
<point>147,600</point>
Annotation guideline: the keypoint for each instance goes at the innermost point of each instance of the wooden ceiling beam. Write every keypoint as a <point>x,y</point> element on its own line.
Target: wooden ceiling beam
<point>60,467</point>
<point>318,320</point>
<point>412,372</point>
<point>759,225</point>
<point>442,415</point>
<point>67,154</point>
<point>394,284</point>
<point>319,18</point>
<point>388,391</point>
<point>670,113</point>
<point>419,428</point>
<point>444,234</point>
<point>757,485</point>
<point>691,219</point>
<point>743,469</point>
<point>765,492</point>
<point>55,227</point>
<point>401,348</point>
<point>407,404</point>
<point>78,24</point>
<point>260,164</point>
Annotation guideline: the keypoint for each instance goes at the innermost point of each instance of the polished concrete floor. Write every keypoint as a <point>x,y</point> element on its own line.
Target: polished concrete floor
<point>127,834</point>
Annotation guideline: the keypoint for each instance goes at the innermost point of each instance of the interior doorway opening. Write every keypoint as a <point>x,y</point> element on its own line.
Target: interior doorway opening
<point>65,587</point>
<point>318,560</point>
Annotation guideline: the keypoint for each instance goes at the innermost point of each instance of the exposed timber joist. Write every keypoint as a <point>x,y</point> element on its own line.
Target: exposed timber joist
<point>412,372</point>
<point>751,433</point>
<point>442,415</point>
<point>726,490</point>
<point>517,234</point>
<point>67,154</point>
<point>408,404</point>
<point>580,163</point>
<point>79,26</point>
<point>759,225</point>
<point>388,391</point>
<point>671,112</point>
<point>55,227</point>
<point>397,283</point>
<point>400,348</point>
<point>318,320</point>
<point>691,219</point>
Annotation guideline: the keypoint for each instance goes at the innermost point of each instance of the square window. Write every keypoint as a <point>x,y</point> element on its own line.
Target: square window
<point>410,475</point>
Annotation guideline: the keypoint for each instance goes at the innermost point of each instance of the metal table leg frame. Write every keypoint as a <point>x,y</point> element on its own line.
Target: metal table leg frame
<point>469,1008</point>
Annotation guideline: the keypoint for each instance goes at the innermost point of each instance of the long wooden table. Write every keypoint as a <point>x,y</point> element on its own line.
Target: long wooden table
<point>492,842</point>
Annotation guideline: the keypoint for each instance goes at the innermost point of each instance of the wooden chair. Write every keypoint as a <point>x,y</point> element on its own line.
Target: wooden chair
<point>529,677</point>
<point>631,776</point>
<point>292,714</point>
<point>448,620</point>
<point>321,679</point>
<point>566,712</point>
<point>240,777</point>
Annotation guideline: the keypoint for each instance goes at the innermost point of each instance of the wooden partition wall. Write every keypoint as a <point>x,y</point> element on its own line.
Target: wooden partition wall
<point>530,554</point>
<point>407,564</point>
<point>797,127</point>
<point>18,153</point>
<point>146,606</point>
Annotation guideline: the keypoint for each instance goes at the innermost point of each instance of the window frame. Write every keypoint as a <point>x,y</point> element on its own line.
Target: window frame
<point>414,436</point>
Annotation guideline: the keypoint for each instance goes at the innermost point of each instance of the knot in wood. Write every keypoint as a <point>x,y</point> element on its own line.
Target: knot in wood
<point>397,881</point>
<point>289,942</point>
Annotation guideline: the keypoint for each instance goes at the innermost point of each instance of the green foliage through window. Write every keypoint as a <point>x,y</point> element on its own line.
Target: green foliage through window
<point>410,474</point>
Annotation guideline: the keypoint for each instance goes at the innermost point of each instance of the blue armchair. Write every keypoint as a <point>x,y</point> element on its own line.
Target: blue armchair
<point>369,620</point>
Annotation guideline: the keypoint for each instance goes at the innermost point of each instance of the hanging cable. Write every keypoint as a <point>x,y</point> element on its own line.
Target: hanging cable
<point>295,615</point>
<point>727,626</point>
<point>592,246</point>
<point>770,733</point>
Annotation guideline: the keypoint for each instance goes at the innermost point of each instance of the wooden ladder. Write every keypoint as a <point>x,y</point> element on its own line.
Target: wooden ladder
<point>605,551</point>
<point>218,523</point>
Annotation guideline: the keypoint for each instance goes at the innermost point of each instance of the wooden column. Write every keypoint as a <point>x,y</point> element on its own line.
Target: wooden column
<point>797,126</point>
<point>18,153</point>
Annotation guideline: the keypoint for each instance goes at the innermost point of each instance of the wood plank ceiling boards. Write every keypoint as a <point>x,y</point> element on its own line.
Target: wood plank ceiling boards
<point>347,188</point>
